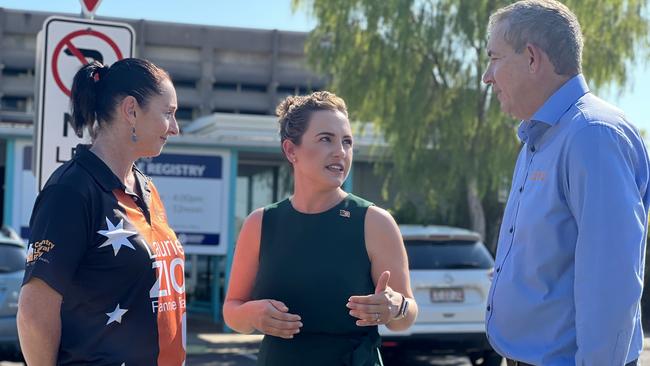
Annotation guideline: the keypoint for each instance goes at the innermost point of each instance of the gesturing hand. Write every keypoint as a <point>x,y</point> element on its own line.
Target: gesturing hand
<point>272,317</point>
<point>378,308</point>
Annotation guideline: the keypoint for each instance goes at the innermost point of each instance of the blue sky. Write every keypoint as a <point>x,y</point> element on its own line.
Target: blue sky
<point>277,14</point>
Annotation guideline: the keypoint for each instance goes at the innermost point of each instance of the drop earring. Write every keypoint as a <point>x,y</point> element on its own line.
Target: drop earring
<point>134,137</point>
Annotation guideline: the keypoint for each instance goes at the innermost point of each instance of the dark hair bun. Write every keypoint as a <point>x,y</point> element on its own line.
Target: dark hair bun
<point>286,105</point>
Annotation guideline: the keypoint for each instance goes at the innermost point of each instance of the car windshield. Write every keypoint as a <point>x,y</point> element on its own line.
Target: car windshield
<point>450,254</point>
<point>12,258</point>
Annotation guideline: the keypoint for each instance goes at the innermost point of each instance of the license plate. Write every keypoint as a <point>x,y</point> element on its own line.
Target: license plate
<point>447,295</point>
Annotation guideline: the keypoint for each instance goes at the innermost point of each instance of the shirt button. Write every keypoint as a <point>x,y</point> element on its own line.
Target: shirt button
<point>512,228</point>
<point>488,308</point>
<point>521,189</point>
<point>532,149</point>
<point>498,269</point>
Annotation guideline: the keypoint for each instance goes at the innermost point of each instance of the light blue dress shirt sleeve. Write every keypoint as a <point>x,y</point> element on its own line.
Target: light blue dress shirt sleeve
<point>603,196</point>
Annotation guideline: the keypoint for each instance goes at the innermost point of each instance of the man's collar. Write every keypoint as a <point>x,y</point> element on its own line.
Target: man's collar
<point>558,103</point>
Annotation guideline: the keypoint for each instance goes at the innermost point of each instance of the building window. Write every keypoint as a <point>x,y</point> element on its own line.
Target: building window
<point>224,110</point>
<point>226,86</point>
<point>27,158</point>
<point>240,87</point>
<point>185,113</point>
<point>14,104</point>
<point>239,111</point>
<point>286,89</point>
<point>259,185</point>
<point>303,90</point>
<point>190,84</point>
<point>295,90</point>
<point>250,111</point>
<point>256,88</point>
<point>14,71</point>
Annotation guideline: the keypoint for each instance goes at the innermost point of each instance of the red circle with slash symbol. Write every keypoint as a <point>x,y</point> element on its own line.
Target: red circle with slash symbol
<point>67,42</point>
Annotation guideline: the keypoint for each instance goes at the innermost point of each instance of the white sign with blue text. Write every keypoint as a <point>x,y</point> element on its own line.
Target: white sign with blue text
<point>194,189</point>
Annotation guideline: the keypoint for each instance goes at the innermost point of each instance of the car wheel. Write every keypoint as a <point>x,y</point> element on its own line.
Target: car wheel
<point>475,359</point>
<point>487,358</point>
<point>491,358</point>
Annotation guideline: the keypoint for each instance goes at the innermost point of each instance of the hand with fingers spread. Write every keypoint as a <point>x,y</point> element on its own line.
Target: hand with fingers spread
<point>378,308</point>
<point>272,317</point>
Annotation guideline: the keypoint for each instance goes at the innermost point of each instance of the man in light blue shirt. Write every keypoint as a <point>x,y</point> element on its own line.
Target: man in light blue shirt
<point>569,267</point>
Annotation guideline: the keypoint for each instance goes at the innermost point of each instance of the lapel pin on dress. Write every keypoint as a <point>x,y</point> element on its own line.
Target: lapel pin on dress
<point>344,213</point>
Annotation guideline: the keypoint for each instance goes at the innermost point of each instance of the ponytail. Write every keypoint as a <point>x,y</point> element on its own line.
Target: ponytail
<point>84,95</point>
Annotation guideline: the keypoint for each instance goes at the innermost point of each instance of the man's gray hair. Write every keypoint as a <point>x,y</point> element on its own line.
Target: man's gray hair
<point>547,24</point>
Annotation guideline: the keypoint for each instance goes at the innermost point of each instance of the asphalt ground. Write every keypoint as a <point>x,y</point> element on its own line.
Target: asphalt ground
<point>241,350</point>
<point>207,345</point>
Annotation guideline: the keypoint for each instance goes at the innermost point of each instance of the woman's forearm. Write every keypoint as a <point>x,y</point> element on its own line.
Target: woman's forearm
<point>39,323</point>
<point>236,317</point>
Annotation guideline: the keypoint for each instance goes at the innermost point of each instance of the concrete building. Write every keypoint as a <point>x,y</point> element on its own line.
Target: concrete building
<point>228,81</point>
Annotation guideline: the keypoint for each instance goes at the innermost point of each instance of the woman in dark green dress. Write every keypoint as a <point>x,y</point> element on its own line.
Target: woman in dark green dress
<point>318,272</point>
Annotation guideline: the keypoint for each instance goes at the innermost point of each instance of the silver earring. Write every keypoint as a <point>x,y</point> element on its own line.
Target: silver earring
<point>134,137</point>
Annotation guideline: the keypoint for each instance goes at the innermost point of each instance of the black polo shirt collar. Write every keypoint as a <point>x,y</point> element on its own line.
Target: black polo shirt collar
<point>102,174</point>
<point>105,177</point>
<point>142,182</point>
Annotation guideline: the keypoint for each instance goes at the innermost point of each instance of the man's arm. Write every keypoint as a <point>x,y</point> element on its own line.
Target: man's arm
<point>39,323</point>
<point>604,197</point>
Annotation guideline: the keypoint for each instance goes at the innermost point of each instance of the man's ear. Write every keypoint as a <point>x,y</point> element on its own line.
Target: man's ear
<point>289,149</point>
<point>535,57</point>
<point>127,109</point>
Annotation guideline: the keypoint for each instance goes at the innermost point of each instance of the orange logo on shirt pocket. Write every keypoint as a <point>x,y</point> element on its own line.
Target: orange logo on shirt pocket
<point>538,176</point>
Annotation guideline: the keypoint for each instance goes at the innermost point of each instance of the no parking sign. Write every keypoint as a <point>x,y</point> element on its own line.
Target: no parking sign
<point>65,45</point>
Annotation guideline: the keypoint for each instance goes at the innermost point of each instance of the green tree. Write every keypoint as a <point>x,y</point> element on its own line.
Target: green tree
<point>414,68</point>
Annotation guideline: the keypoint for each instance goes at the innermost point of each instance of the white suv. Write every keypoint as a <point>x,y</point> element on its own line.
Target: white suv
<point>451,270</point>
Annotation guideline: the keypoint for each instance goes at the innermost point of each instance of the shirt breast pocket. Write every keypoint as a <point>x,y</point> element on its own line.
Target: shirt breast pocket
<point>540,191</point>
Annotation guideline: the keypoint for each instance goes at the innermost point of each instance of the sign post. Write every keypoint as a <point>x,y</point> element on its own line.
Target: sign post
<point>67,44</point>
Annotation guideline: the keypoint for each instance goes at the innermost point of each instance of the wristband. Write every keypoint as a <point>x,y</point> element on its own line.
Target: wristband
<point>403,308</point>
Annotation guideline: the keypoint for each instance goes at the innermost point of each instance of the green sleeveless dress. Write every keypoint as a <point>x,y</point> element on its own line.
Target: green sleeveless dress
<point>314,263</point>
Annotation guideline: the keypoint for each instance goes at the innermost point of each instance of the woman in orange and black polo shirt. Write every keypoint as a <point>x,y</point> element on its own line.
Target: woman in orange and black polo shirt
<point>104,280</point>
